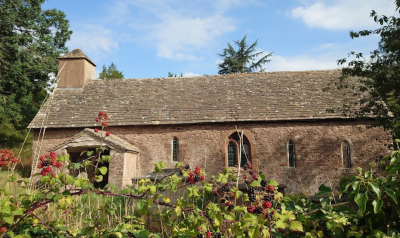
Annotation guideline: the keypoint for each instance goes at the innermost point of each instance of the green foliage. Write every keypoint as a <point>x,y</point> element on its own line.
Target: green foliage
<point>31,42</point>
<point>192,204</point>
<point>372,209</point>
<point>243,60</point>
<point>380,74</point>
<point>9,135</point>
<point>170,75</point>
<point>111,72</point>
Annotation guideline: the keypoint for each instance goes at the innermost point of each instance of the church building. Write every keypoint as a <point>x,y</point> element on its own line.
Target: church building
<point>276,120</point>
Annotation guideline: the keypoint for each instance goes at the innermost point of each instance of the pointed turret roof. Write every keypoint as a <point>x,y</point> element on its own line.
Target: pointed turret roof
<point>76,54</point>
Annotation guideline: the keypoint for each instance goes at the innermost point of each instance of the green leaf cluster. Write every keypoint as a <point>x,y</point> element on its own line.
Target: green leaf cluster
<point>378,83</point>
<point>31,41</point>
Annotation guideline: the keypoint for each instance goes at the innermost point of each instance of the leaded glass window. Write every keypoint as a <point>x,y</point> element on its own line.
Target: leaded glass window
<point>244,155</point>
<point>232,158</point>
<point>346,152</point>
<point>175,149</point>
<point>233,150</point>
<point>291,153</point>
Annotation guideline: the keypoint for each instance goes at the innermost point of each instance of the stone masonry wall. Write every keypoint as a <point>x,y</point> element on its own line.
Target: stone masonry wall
<point>317,148</point>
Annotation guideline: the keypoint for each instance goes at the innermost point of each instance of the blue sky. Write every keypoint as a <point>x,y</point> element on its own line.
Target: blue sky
<point>149,38</point>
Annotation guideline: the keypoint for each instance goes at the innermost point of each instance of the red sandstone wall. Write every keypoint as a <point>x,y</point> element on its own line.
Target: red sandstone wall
<point>318,148</point>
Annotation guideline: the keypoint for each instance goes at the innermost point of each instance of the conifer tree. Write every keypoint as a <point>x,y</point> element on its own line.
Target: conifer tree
<point>243,60</point>
<point>111,72</point>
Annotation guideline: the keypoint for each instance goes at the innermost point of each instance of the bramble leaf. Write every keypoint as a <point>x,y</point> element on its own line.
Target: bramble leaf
<point>103,170</point>
<point>376,189</point>
<point>273,183</point>
<point>361,200</point>
<point>296,226</point>
<point>98,178</point>
<point>392,194</point>
<point>377,204</point>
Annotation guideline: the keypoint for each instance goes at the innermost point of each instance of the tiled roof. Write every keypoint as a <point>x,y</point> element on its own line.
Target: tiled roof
<point>76,54</point>
<point>111,140</point>
<point>271,96</point>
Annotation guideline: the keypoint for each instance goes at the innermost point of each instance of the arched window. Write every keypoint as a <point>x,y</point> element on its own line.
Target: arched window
<point>346,154</point>
<point>175,149</point>
<point>232,154</point>
<point>233,149</point>
<point>291,154</point>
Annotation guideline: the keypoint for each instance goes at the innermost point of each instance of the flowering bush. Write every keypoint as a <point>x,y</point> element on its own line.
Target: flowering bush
<point>211,206</point>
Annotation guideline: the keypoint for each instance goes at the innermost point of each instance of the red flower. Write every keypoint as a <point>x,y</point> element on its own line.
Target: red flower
<point>108,133</point>
<point>96,130</point>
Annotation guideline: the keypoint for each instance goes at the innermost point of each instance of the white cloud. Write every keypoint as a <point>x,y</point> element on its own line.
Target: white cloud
<point>190,74</point>
<point>300,63</point>
<point>342,14</point>
<point>178,37</point>
<point>178,29</point>
<point>323,56</point>
<point>327,46</point>
<point>93,40</point>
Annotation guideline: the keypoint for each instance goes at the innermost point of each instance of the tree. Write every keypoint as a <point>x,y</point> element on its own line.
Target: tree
<point>31,41</point>
<point>380,74</point>
<point>244,60</point>
<point>170,75</point>
<point>111,72</point>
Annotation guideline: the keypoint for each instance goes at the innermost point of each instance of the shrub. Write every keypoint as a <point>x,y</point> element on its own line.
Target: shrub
<point>211,206</point>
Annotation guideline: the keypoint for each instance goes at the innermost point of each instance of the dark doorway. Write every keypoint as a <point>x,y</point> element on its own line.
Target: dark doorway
<point>79,157</point>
